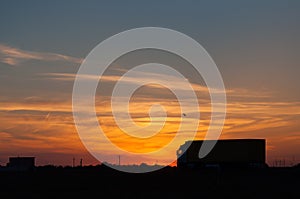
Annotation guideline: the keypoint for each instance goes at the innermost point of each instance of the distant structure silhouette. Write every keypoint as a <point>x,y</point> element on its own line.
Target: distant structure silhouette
<point>226,153</point>
<point>21,163</point>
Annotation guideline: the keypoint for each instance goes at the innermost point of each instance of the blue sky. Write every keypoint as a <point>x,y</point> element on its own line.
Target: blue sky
<point>243,37</point>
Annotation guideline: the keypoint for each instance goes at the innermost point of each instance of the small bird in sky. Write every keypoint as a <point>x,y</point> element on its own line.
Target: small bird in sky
<point>184,114</point>
<point>47,116</point>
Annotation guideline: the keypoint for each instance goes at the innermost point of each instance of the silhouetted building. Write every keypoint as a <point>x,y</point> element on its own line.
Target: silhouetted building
<point>21,163</point>
<point>226,153</point>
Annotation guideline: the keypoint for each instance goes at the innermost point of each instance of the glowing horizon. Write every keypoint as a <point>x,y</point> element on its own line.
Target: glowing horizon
<point>48,126</point>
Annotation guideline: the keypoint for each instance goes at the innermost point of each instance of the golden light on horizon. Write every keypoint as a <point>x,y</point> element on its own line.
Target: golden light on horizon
<point>48,127</point>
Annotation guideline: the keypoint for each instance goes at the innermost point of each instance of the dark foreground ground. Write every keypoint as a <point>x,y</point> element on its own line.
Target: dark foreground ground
<point>170,182</point>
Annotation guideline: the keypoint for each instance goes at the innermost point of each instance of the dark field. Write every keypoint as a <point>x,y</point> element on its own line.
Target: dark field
<point>170,182</point>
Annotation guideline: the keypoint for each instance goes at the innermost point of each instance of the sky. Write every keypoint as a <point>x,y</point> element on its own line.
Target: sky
<point>255,45</point>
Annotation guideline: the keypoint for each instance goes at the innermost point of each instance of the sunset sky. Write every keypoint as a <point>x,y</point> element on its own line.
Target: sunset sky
<point>255,44</point>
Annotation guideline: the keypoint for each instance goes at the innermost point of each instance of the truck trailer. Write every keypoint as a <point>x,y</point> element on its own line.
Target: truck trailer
<point>226,153</point>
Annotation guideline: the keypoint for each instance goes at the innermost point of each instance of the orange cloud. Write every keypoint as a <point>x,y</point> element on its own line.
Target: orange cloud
<point>45,126</point>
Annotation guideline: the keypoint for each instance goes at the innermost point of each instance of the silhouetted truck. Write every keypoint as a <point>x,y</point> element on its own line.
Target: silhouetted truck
<point>226,153</point>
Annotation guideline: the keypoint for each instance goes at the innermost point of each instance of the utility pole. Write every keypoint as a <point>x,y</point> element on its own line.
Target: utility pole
<point>81,162</point>
<point>119,160</point>
<point>73,162</point>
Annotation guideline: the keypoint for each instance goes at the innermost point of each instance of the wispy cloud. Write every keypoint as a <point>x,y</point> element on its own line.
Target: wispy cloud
<point>235,94</point>
<point>139,78</point>
<point>49,127</point>
<point>15,56</point>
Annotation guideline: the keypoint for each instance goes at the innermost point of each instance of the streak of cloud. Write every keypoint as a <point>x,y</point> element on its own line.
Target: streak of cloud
<point>139,78</point>
<point>15,56</point>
